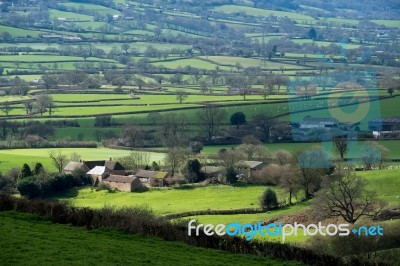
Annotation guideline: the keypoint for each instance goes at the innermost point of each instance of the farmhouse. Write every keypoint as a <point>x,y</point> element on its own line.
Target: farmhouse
<point>211,171</point>
<point>247,167</point>
<point>153,178</point>
<point>115,167</point>
<point>385,124</point>
<point>98,173</point>
<point>315,122</point>
<point>75,166</point>
<point>123,183</point>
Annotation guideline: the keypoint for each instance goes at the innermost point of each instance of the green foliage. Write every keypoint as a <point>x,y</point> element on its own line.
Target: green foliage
<point>231,175</point>
<point>238,118</point>
<point>25,171</point>
<point>38,169</point>
<point>192,171</point>
<point>155,166</point>
<point>29,187</point>
<point>269,199</point>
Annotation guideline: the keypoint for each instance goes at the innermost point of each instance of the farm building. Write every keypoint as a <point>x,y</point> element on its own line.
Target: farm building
<point>211,171</point>
<point>98,173</point>
<point>316,122</point>
<point>153,178</point>
<point>123,183</point>
<point>75,166</point>
<point>115,167</point>
<point>247,167</point>
<point>385,124</point>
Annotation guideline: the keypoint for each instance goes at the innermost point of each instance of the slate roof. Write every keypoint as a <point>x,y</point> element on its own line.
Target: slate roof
<point>98,170</point>
<point>151,174</point>
<point>248,164</point>
<point>120,179</point>
<point>209,169</point>
<point>72,166</point>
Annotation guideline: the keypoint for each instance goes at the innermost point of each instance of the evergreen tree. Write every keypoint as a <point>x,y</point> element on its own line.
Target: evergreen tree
<point>25,171</point>
<point>269,199</point>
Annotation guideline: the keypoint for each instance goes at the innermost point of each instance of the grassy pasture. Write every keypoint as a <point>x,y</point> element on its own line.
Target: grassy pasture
<point>322,43</point>
<point>388,23</point>
<point>32,240</point>
<point>47,58</point>
<point>17,32</point>
<point>68,15</point>
<point>231,9</point>
<point>93,7</point>
<point>17,157</point>
<point>164,201</point>
<point>386,183</point>
<point>196,63</point>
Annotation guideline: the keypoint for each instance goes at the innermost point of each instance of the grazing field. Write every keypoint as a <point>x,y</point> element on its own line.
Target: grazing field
<point>386,183</point>
<point>92,7</point>
<point>166,201</point>
<point>68,15</point>
<point>231,9</point>
<point>17,157</point>
<point>17,32</point>
<point>32,240</point>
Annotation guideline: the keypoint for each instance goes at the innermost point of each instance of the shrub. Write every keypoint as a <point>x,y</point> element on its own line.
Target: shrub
<point>29,187</point>
<point>25,171</point>
<point>231,175</point>
<point>269,199</point>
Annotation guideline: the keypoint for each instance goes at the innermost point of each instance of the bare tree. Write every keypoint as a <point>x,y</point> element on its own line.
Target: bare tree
<point>173,128</point>
<point>59,160</point>
<point>341,145</point>
<point>133,135</point>
<point>264,122</point>
<point>312,165</point>
<point>211,118</point>
<point>44,102</point>
<point>288,181</point>
<point>347,197</point>
<point>283,157</point>
<point>181,95</point>
<point>372,154</point>
<point>6,108</point>
<point>49,81</point>
<point>28,107</point>
<point>175,157</point>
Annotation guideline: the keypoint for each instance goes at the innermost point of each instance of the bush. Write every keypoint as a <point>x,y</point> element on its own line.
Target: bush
<point>269,199</point>
<point>231,175</point>
<point>29,187</point>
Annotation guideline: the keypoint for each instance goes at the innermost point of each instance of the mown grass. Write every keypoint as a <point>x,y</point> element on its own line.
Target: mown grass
<point>386,183</point>
<point>68,15</point>
<point>17,157</point>
<point>17,32</point>
<point>93,7</point>
<point>230,9</point>
<point>166,201</point>
<point>31,240</point>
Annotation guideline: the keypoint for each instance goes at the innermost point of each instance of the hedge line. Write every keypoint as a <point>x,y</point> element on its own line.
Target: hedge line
<point>142,221</point>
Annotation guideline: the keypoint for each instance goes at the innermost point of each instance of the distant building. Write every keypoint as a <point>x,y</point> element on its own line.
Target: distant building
<point>246,168</point>
<point>115,167</point>
<point>98,173</point>
<point>385,124</point>
<point>123,183</point>
<point>75,166</point>
<point>315,122</point>
<point>152,178</point>
<point>211,171</point>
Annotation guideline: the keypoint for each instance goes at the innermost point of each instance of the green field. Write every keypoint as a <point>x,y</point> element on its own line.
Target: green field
<point>68,15</point>
<point>17,157</point>
<point>31,240</point>
<point>17,32</point>
<point>229,9</point>
<point>220,197</point>
<point>92,7</point>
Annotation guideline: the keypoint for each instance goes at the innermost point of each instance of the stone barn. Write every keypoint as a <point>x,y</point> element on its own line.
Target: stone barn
<point>123,183</point>
<point>98,173</point>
